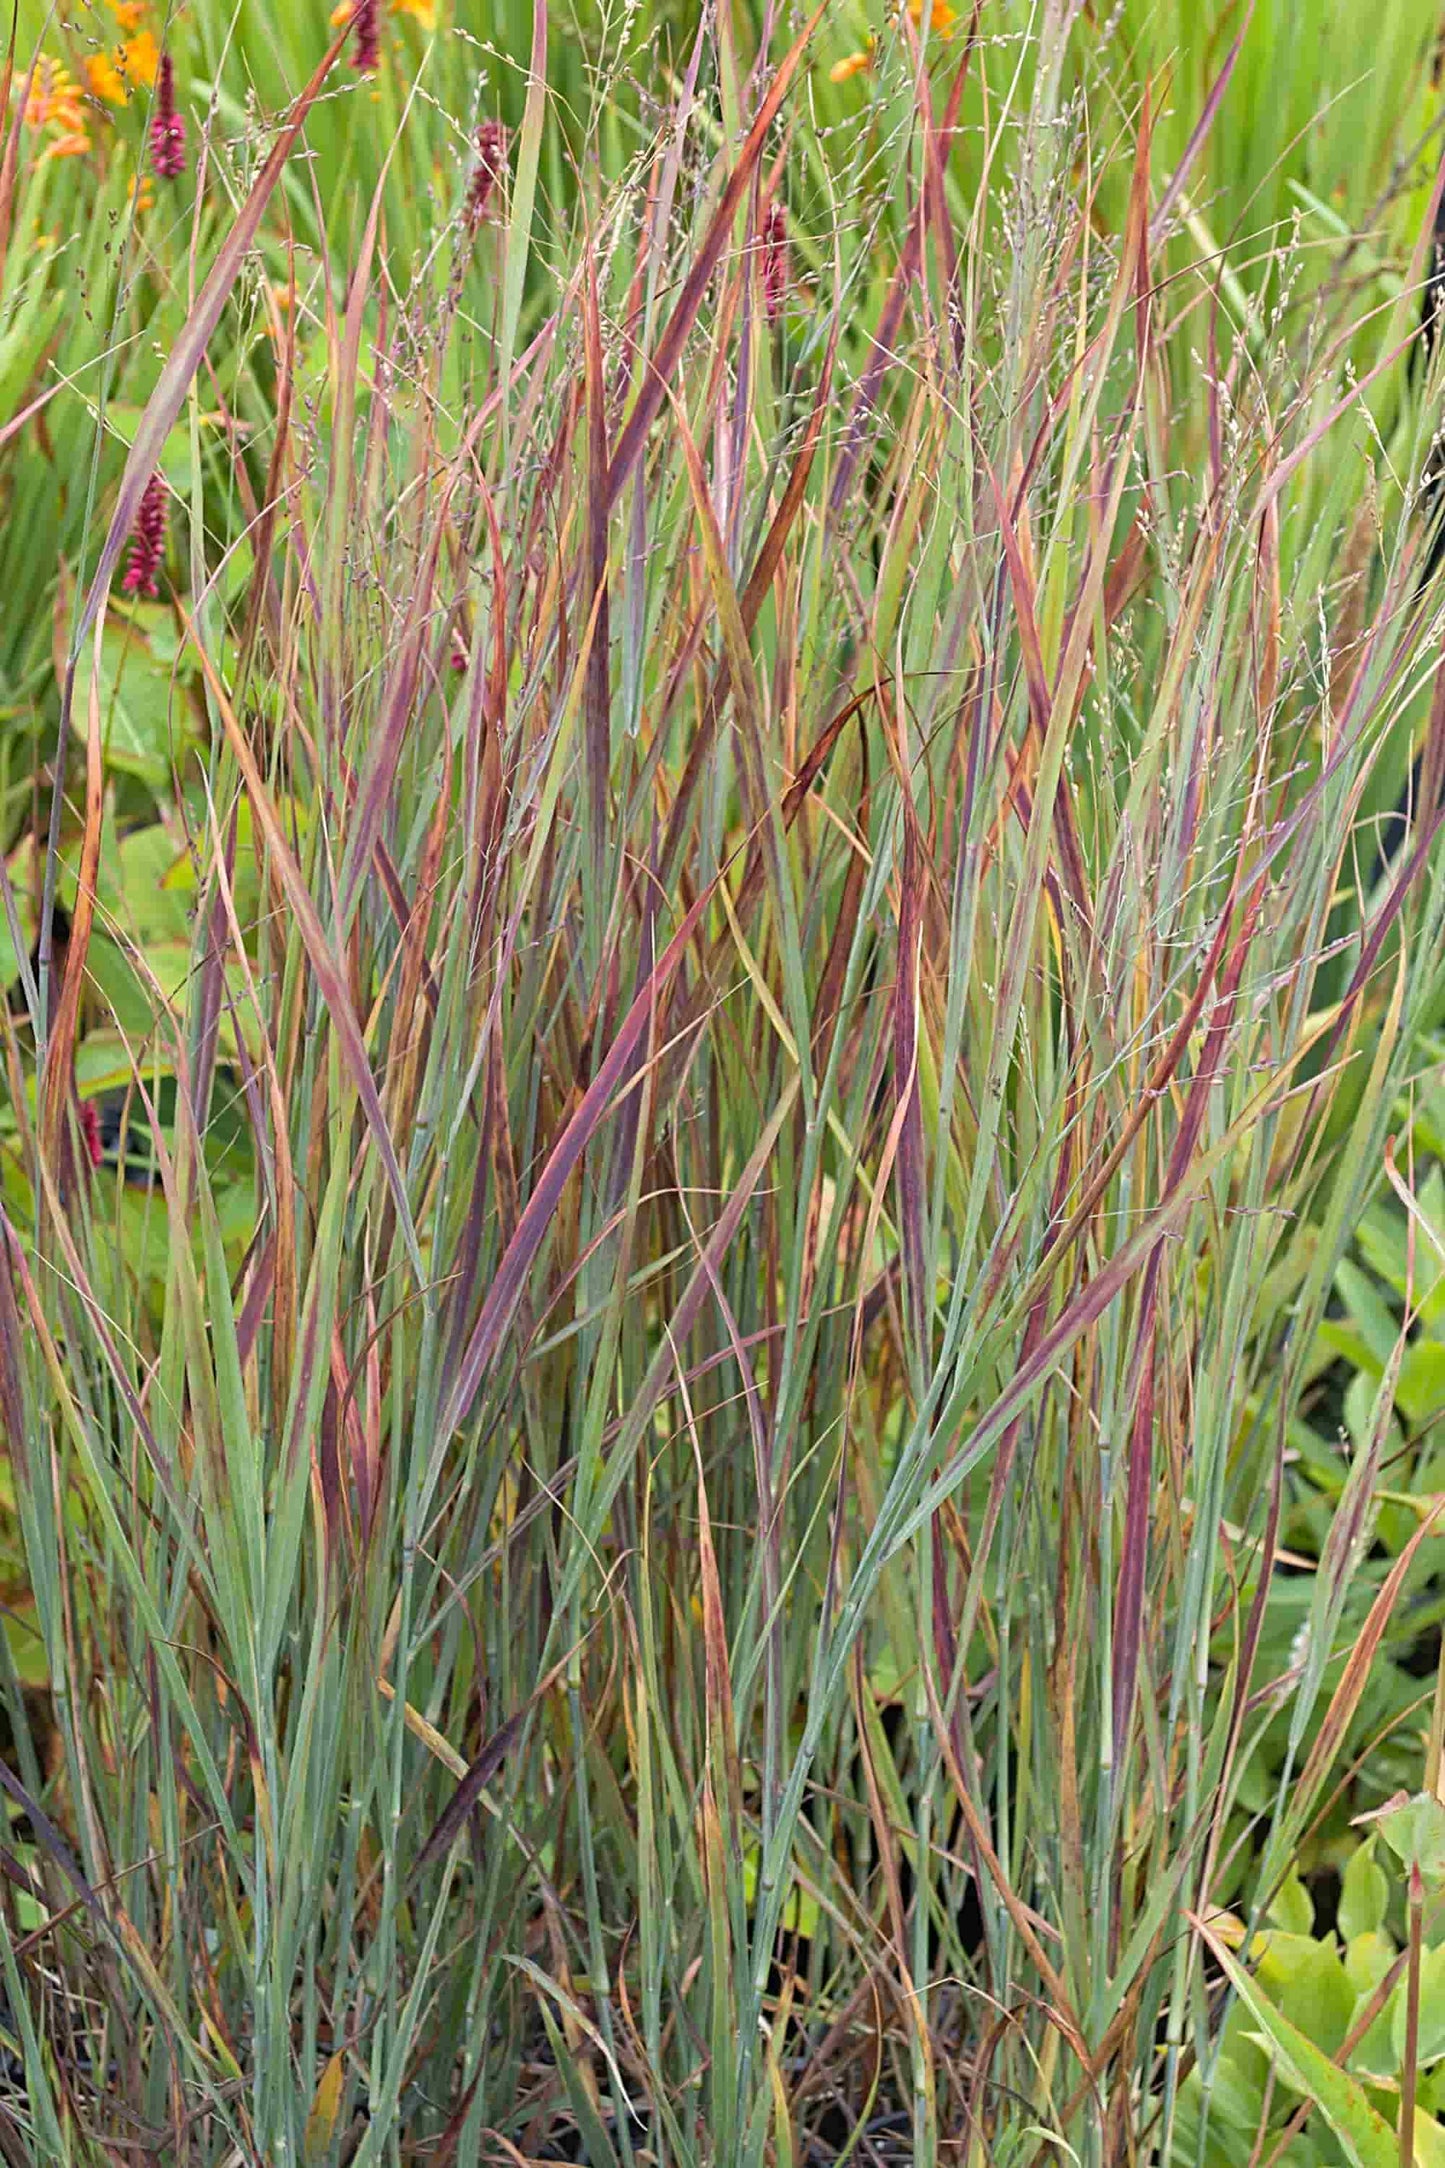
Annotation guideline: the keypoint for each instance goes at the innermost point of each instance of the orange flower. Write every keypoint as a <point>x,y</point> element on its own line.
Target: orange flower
<point>843,71</point>
<point>106,80</point>
<point>129,14</point>
<point>140,57</point>
<point>943,19</point>
<point>54,97</point>
<point>422,12</point>
<point>37,104</point>
<point>340,14</point>
<point>142,191</point>
<point>55,103</point>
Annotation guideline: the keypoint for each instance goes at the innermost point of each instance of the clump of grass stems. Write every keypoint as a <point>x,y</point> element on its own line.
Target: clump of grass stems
<point>689,1588</point>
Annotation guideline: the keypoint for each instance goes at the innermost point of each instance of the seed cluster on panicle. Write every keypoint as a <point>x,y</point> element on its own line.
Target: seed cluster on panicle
<point>168,129</point>
<point>147,543</point>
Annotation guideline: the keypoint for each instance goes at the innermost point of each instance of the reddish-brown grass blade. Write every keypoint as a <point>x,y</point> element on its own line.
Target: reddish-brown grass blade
<point>330,975</point>
<point>482,1770</point>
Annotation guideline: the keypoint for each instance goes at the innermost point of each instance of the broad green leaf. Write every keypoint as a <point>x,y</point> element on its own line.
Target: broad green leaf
<point>1415,1831</point>
<point>1421,1389</point>
<point>1235,2093</point>
<point>1364,1894</point>
<point>1368,1311</point>
<point>1308,1983</point>
<point>1367,2138</point>
<point>1368,1957</point>
<point>145,723</point>
<point>1292,1907</point>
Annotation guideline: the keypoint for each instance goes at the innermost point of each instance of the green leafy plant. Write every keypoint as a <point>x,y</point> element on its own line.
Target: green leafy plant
<point>1334,2043</point>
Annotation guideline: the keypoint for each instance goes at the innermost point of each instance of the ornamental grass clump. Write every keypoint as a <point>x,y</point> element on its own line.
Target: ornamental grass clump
<point>749,1003</point>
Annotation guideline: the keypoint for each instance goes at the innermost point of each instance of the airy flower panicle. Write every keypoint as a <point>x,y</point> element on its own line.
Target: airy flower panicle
<point>491,162</point>
<point>147,542</point>
<point>168,129</point>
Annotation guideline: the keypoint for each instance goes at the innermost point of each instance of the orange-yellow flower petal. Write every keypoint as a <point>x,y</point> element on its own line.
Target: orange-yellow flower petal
<point>53,95</point>
<point>105,79</point>
<point>340,14</point>
<point>37,105</point>
<point>140,57</point>
<point>843,71</point>
<point>422,12</point>
<point>943,17</point>
<point>129,14</point>
<point>73,145</point>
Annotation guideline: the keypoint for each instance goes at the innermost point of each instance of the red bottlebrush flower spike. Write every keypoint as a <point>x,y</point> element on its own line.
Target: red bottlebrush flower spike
<point>90,1131</point>
<point>147,542</point>
<point>366,19</point>
<point>491,162</point>
<point>168,130</point>
<point>775,268</point>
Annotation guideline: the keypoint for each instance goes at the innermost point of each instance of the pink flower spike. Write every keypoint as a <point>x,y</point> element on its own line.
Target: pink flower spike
<point>90,1131</point>
<point>775,269</point>
<point>488,170</point>
<point>147,542</point>
<point>366,55</point>
<point>168,130</point>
